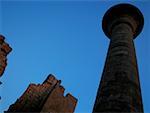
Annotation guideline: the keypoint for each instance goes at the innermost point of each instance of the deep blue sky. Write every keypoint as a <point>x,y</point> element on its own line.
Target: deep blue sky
<point>66,39</point>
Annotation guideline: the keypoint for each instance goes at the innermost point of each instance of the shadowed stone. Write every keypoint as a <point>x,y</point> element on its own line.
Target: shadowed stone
<point>119,89</point>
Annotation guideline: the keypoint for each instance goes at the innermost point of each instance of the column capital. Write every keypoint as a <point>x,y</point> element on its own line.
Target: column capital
<point>123,13</point>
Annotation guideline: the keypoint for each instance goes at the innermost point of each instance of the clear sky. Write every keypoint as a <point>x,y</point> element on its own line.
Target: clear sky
<point>64,38</point>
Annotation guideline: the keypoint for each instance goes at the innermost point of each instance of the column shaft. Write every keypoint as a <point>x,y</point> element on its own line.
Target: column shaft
<point>119,88</point>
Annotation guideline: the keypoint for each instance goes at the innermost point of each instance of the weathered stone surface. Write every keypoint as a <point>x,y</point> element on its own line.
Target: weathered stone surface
<point>119,89</point>
<point>5,49</point>
<point>47,97</point>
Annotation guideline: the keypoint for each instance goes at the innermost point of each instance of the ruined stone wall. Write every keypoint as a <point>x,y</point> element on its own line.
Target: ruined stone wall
<point>47,97</point>
<point>33,96</point>
<point>5,49</point>
<point>58,103</point>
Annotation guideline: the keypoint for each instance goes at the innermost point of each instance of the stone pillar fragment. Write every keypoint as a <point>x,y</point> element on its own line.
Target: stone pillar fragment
<point>5,49</point>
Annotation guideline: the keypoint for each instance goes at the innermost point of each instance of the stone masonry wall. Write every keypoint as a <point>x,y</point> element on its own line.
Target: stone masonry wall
<point>5,49</point>
<point>44,97</point>
<point>58,103</point>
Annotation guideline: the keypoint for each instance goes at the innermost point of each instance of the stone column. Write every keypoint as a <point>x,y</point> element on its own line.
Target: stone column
<point>119,89</point>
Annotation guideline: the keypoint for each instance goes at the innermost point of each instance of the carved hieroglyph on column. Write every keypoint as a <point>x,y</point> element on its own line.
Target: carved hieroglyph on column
<point>119,89</point>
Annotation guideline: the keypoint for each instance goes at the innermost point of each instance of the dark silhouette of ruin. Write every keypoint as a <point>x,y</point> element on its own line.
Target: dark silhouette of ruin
<point>119,89</point>
<point>47,97</point>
